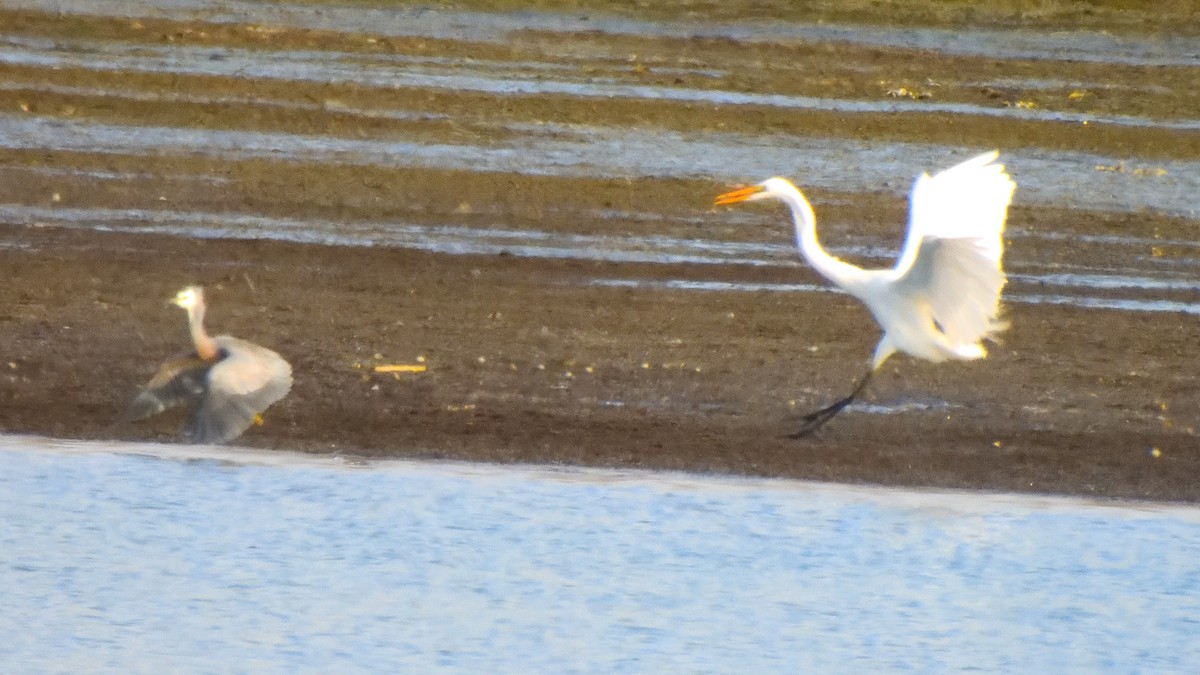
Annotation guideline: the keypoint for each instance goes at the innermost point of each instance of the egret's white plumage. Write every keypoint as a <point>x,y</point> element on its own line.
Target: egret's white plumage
<point>942,299</point>
<point>229,381</point>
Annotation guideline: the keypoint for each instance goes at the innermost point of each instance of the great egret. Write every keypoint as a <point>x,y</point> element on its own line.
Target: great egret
<point>227,380</point>
<point>943,296</point>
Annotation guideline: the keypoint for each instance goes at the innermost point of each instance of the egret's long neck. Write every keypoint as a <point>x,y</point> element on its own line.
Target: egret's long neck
<point>206,347</point>
<point>806,238</point>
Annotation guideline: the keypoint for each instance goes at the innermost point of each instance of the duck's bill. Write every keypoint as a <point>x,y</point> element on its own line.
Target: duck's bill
<point>739,195</point>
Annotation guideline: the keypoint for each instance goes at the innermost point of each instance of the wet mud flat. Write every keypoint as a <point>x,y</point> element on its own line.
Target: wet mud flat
<point>523,207</point>
<point>527,362</point>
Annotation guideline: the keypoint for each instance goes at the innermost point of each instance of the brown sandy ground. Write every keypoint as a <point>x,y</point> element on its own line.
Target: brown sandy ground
<point>528,364</point>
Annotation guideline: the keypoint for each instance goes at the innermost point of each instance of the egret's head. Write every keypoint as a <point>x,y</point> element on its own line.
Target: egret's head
<point>188,298</point>
<point>772,187</point>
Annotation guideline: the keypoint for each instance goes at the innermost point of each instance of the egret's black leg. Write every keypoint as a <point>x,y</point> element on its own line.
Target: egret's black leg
<point>816,419</point>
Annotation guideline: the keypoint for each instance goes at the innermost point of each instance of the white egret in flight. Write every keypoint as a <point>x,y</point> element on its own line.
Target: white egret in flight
<point>228,381</point>
<point>943,296</point>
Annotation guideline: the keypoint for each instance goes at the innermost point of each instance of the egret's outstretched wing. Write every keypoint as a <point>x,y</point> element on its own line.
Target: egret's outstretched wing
<point>951,258</point>
<point>246,380</point>
<point>960,284</point>
<point>968,200</point>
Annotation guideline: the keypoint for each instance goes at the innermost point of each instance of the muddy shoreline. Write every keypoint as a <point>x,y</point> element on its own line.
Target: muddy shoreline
<point>114,194</point>
<point>527,363</point>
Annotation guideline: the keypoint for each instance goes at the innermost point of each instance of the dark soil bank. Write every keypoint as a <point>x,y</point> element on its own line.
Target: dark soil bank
<point>528,359</point>
<point>527,363</point>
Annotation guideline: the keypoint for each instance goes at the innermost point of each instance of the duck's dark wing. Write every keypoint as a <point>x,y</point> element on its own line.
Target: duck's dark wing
<point>246,380</point>
<point>180,381</point>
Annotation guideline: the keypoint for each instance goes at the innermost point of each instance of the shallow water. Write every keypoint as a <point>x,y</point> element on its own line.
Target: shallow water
<point>481,75</point>
<point>1123,304</point>
<point>1071,179</point>
<point>141,557</point>
<point>1145,286</point>
<point>1163,50</point>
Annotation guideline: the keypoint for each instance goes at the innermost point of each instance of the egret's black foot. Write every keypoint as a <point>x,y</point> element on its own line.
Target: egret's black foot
<point>817,419</point>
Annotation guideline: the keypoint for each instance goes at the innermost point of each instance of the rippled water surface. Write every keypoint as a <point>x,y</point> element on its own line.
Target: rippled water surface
<point>168,558</point>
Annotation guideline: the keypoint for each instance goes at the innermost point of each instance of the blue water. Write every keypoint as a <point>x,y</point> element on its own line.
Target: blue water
<point>167,558</point>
